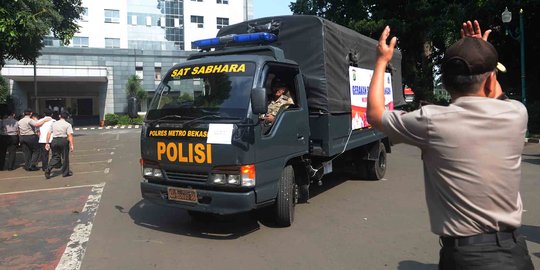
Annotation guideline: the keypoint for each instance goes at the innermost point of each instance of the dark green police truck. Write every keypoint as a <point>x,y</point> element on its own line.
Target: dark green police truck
<point>204,147</point>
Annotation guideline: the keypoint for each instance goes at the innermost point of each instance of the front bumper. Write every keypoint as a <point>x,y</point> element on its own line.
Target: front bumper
<point>209,201</point>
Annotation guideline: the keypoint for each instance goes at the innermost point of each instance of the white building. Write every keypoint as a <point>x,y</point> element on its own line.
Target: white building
<point>151,24</point>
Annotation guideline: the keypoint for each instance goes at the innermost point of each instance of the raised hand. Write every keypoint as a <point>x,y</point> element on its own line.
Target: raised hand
<point>385,51</point>
<point>469,29</point>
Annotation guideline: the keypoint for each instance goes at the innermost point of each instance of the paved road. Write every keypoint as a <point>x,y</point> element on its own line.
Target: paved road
<point>348,224</point>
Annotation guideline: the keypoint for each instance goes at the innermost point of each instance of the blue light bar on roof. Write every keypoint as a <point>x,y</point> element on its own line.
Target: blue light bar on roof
<point>232,40</point>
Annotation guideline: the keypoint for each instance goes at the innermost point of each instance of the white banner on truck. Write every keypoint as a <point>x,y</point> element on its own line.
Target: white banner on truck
<point>360,79</point>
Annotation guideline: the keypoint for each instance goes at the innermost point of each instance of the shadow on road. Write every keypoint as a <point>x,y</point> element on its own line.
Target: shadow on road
<point>532,233</point>
<point>532,161</point>
<point>178,221</point>
<point>414,265</point>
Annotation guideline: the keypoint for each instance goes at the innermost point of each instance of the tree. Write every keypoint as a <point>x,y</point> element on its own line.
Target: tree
<point>24,24</point>
<point>135,89</point>
<point>426,28</point>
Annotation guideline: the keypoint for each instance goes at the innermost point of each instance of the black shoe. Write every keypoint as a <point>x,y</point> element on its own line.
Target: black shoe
<point>33,169</point>
<point>47,174</point>
<point>68,174</point>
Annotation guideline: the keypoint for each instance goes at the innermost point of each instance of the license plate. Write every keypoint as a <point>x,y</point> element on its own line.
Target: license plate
<point>182,194</point>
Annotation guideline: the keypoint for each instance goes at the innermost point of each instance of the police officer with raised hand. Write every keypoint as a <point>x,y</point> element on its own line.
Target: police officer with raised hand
<point>62,143</point>
<point>29,139</point>
<point>472,183</point>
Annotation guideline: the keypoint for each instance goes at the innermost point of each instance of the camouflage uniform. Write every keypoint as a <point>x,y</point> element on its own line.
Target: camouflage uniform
<point>275,105</point>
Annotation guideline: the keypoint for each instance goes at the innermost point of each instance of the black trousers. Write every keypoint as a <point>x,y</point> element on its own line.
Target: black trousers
<point>44,153</point>
<point>30,146</point>
<point>3,149</point>
<point>60,154</point>
<point>506,254</point>
<point>11,143</point>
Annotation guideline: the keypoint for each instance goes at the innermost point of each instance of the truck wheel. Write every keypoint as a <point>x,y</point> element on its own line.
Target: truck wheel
<point>376,169</point>
<point>286,198</point>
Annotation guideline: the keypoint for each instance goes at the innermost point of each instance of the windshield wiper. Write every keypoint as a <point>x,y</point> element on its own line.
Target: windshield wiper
<point>166,117</point>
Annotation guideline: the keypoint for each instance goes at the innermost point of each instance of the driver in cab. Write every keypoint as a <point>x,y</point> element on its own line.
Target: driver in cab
<point>278,99</point>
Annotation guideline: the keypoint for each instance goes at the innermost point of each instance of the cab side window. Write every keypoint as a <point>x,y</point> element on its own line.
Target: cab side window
<point>281,89</point>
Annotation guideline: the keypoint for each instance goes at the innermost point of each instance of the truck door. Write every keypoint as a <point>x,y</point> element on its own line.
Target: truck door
<point>287,136</point>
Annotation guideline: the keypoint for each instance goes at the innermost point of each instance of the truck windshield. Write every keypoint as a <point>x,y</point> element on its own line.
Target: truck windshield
<point>221,90</point>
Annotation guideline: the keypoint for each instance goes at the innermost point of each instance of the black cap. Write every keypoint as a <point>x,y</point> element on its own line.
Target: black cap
<point>64,115</point>
<point>28,111</point>
<point>469,56</point>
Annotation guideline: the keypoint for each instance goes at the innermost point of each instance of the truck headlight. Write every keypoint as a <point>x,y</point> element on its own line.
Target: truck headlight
<point>233,179</point>
<point>219,178</point>
<point>150,169</point>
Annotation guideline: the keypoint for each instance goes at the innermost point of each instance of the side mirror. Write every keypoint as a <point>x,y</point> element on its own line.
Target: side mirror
<point>258,100</point>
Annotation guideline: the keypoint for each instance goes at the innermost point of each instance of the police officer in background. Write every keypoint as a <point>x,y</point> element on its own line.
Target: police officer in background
<point>62,143</point>
<point>10,139</point>
<point>29,139</point>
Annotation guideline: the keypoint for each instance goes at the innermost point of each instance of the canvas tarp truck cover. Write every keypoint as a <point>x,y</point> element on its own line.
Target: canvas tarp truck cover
<point>324,51</point>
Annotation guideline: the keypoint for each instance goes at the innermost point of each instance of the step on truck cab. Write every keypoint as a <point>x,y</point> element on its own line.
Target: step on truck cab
<point>208,144</point>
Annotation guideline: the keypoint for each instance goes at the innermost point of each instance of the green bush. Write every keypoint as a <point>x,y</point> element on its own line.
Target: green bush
<point>124,120</point>
<point>111,119</point>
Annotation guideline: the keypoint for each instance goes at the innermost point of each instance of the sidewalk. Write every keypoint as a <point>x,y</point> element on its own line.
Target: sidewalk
<point>107,127</point>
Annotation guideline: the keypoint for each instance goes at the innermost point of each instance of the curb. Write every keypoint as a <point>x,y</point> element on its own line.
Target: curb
<point>532,140</point>
<point>108,127</point>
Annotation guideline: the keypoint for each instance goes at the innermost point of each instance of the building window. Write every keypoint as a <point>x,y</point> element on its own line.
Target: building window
<point>196,0</point>
<point>148,20</point>
<point>80,41</point>
<point>139,72</point>
<point>112,43</point>
<point>84,14</point>
<point>112,16</point>
<point>133,19</point>
<point>157,73</point>
<point>222,22</point>
<point>224,2</point>
<point>199,20</point>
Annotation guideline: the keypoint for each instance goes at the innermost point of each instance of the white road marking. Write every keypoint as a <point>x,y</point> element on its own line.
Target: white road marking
<point>88,162</point>
<point>88,155</point>
<point>109,161</point>
<point>112,153</point>
<point>96,149</point>
<point>75,249</point>
<point>117,136</point>
<point>106,171</point>
<point>45,189</point>
<point>43,176</point>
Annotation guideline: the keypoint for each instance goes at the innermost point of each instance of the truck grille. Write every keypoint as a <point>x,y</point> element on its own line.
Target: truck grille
<point>181,176</point>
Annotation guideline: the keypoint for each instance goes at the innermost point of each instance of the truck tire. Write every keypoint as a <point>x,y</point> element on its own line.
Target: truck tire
<point>286,201</point>
<point>376,169</point>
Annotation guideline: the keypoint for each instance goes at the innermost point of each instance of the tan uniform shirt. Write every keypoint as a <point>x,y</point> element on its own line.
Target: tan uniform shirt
<point>27,126</point>
<point>61,129</point>
<point>471,152</point>
<point>275,105</point>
